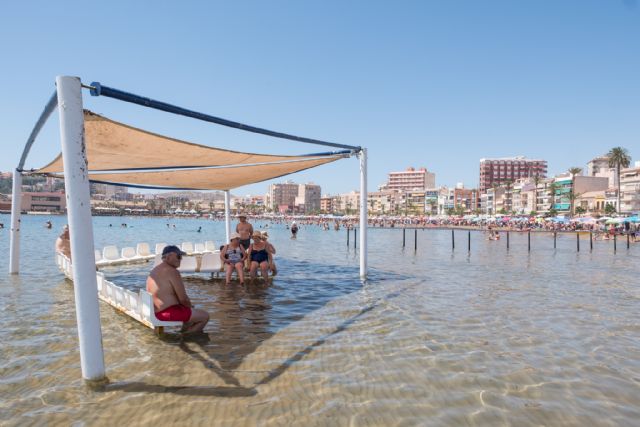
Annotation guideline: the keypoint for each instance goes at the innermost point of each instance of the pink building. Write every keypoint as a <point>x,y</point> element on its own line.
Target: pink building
<point>410,180</point>
<point>498,171</point>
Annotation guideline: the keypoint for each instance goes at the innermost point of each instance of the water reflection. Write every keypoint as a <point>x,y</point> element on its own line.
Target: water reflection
<point>492,336</point>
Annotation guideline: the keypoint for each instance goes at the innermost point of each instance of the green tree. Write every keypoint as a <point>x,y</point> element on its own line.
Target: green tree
<point>609,209</point>
<point>574,171</point>
<point>580,210</point>
<point>552,212</point>
<point>552,187</point>
<point>572,200</point>
<point>536,181</point>
<point>618,158</point>
<point>151,205</point>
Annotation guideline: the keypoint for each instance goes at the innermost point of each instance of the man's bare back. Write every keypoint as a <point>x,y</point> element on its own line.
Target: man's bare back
<point>165,284</point>
<point>170,300</point>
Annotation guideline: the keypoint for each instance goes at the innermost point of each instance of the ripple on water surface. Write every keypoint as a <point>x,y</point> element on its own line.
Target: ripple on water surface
<point>437,336</point>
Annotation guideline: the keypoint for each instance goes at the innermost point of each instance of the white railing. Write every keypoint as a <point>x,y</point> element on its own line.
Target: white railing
<point>138,305</point>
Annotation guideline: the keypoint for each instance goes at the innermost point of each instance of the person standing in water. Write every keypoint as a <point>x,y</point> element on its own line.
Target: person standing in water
<point>294,230</point>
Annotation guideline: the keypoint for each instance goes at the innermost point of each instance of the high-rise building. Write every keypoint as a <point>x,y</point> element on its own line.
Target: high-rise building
<point>410,180</point>
<point>289,196</point>
<point>499,171</point>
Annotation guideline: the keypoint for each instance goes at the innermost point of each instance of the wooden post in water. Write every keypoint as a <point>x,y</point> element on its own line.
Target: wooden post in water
<point>555,236</point>
<point>591,240</point>
<point>404,237</point>
<point>355,237</point>
<point>348,236</point>
<point>453,240</point>
<point>627,241</point>
<point>578,241</point>
<point>529,241</point>
<point>469,241</point>
<point>507,240</point>
<point>415,248</point>
<point>615,242</point>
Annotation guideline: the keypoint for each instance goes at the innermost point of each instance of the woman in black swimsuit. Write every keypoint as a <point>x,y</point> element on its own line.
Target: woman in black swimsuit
<point>258,256</point>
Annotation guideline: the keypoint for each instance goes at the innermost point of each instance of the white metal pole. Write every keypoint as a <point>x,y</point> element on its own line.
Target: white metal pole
<point>76,180</point>
<point>227,214</point>
<point>16,202</point>
<point>363,213</point>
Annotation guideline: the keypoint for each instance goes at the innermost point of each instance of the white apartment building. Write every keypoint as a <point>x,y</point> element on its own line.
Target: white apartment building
<point>348,203</point>
<point>630,190</point>
<point>410,180</point>
<point>308,198</point>
<point>600,167</point>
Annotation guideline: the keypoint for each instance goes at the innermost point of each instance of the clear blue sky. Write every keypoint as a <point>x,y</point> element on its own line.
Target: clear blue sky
<point>429,83</point>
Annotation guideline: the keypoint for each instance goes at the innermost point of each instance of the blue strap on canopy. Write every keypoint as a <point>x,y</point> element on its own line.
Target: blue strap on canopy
<point>97,89</point>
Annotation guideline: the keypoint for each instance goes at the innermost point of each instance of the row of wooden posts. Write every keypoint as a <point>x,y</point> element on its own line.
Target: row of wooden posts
<point>453,240</point>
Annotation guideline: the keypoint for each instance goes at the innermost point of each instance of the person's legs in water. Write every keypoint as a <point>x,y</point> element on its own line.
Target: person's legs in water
<point>197,322</point>
<point>264,268</point>
<point>253,270</point>
<point>229,272</point>
<point>240,270</point>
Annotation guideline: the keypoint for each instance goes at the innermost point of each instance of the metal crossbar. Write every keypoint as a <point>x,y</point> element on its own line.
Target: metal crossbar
<point>97,89</point>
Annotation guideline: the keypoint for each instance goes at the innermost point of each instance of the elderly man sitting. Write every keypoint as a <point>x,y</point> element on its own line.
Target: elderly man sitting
<point>170,299</point>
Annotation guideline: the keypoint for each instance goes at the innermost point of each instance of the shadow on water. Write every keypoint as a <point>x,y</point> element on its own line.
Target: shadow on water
<point>235,389</point>
<point>243,317</point>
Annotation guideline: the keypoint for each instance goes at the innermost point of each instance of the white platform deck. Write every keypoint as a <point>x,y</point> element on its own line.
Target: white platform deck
<point>138,305</point>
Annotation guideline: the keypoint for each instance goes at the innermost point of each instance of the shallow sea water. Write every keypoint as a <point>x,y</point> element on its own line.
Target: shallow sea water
<point>434,337</point>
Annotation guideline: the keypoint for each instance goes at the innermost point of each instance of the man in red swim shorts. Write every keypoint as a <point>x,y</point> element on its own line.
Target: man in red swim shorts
<point>170,299</point>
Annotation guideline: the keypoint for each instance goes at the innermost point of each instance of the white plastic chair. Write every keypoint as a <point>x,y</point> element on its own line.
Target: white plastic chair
<point>187,247</point>
<point>100,282</point>
<point>128,253</point>
<point>143,251</point>
<point>160,247</point>
<point>110,253</point>
<point>100,261</point>
<point>189,264</point>
<point>211,263</point>
<point>199,248</point>
<point>148,315</point>
<point>210,246</point>
<point>133,303</point>
<point>119,296</point>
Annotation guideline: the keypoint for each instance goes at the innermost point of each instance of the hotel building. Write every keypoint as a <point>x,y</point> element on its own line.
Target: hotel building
<point>499,171</point>
<point>410,180</point>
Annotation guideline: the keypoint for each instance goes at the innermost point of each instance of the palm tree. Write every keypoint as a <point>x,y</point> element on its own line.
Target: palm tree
<point>151,205</point>
<point>552,187</point>
<point>536,181</point>
<point>574,171</point>
<point>572,200</point>
<point>618,158</point>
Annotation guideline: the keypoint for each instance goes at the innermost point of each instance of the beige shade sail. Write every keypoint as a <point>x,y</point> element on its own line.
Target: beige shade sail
<point>112,146</point>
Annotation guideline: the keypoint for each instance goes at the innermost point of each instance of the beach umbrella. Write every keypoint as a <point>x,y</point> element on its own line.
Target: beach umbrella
<point>613,221</point>
<point>633,219</point>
